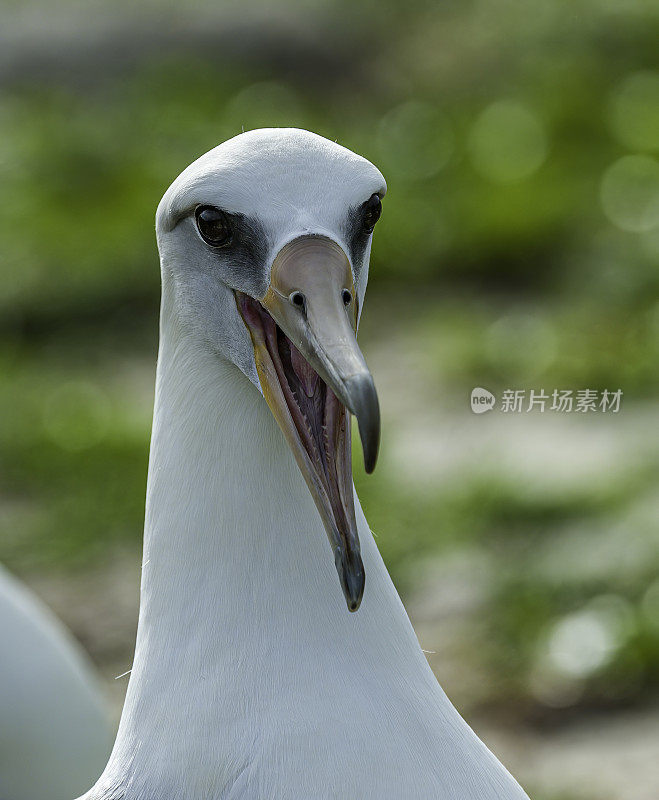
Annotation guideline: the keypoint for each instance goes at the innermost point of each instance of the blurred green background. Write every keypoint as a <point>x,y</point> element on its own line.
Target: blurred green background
<point>518,249</point>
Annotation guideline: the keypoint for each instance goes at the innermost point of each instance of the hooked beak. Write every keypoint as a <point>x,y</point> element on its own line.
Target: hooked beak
<point>313,374</point>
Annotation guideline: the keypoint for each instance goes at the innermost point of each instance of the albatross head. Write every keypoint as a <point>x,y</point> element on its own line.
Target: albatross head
<point>264,245</point>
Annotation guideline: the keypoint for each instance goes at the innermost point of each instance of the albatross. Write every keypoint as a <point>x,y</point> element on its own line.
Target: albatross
<point>55,725</point>
<point>274,658</point>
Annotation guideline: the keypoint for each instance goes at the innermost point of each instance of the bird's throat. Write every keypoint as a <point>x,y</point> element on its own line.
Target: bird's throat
<point>246,654</point>
<point>238,581</point>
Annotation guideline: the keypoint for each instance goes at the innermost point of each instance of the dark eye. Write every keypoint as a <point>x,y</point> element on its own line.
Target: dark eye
<point>372,210</point>
<point>213,225</point>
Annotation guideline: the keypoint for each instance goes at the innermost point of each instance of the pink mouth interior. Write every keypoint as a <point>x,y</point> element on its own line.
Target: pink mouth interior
<point>319,417</point>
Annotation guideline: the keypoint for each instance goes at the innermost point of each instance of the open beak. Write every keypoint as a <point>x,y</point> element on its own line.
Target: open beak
<point>313,374</point>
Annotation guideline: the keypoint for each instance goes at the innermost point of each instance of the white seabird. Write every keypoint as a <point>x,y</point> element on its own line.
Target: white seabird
<point>251,678</point>
<point>55,731</point>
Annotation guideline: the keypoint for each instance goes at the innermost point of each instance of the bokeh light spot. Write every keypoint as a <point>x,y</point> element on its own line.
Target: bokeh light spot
<point>415,140</point>
<point>586,640</point>
<point>629,193</point>
<point>76,416</point>
<point>634,111</point>
<point>507,142</point>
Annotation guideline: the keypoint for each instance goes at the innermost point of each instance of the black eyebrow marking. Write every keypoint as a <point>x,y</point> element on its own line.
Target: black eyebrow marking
<point>356,236</point>
<point>245,258</point>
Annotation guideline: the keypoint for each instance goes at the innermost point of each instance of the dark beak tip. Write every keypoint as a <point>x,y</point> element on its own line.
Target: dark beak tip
<point>352,577</point>
<point>369,433</point>
<point>370,459</point>
<point>354,597</point>
<point>365,406</point>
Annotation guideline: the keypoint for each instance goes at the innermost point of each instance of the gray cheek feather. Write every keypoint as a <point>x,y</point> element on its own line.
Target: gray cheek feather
<point>207,310</point>
<point>203,280</point>
<point>241,266</point>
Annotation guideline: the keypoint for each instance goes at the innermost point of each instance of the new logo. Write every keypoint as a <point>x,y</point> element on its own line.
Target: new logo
<point>482,400</point>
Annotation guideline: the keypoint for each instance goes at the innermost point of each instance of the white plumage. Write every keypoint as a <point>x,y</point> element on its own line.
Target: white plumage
<point>55,731</point>
<point>251,680</point>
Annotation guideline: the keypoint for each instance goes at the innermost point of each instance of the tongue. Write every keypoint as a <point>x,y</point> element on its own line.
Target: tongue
<point>306,374</point>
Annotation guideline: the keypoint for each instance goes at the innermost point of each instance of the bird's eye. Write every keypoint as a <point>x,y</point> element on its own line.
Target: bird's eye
<point>213,225</point>
<point>346,296</point>
<point>372,210</point>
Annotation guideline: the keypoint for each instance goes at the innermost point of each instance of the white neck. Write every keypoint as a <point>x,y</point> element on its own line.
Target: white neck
<point>246,654</point>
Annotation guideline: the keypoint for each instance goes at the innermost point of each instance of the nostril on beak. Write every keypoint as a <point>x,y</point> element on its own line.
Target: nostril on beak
<point>298,299</point>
